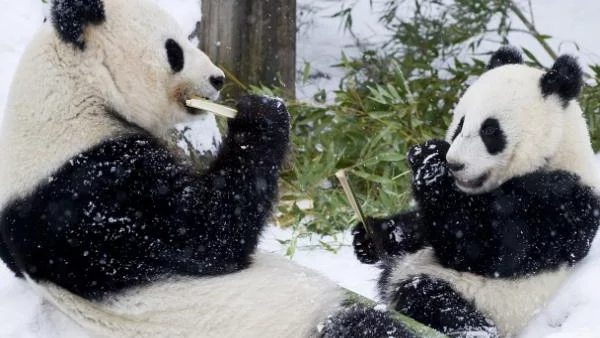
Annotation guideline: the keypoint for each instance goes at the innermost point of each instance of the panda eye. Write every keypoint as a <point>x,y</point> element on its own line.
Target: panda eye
<point>492,136</point>
<point>175,55</point>
<point>490,131</point>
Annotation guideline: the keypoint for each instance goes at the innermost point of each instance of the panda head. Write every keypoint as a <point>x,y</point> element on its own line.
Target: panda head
<point>134,58</point>
<point>512,120</point>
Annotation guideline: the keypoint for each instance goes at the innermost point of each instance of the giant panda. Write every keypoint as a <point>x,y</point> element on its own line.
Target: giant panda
<point>119,235</point>
<point>506,205</point>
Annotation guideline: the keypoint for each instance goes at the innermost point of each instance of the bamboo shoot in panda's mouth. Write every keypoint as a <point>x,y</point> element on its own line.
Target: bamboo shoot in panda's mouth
<point>212,107</point>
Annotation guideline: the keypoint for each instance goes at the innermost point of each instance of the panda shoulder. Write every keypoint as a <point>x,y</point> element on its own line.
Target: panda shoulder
<point>128,159</point>
<point>552,186</point>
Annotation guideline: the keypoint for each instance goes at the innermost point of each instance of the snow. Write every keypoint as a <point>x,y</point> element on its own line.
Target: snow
<point>342,267</point>
<point>321,41</point>
<point>26,16</point>
<point>572,313</point>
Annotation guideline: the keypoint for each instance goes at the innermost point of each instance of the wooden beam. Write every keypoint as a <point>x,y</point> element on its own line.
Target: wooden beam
<point>253,40</point>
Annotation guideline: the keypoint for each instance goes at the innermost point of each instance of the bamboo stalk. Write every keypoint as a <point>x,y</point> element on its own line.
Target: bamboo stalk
<point>531,27</point>
<point>212,107</point>
<point>375,236</point>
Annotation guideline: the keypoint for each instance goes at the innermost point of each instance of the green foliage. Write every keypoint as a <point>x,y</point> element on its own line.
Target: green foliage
<point>590,103</point>
<point>393,96</point>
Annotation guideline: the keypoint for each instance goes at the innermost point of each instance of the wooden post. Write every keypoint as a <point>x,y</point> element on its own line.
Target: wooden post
<point>252,40</point>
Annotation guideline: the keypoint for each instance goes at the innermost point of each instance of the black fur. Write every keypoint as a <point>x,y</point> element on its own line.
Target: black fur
<point>70,17</point>
<point>435,302</point>
<point>531,224</point>
<point>127,212</point>
<point>504,56</point>
<point>493,136</point>
<point>565,79</point>
<point>359,321</point>
<point>402,234</point>
<point>175,55</point>
<point>459,128</point>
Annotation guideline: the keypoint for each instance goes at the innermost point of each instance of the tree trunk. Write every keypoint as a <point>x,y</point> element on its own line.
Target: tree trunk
<point>254,41</point>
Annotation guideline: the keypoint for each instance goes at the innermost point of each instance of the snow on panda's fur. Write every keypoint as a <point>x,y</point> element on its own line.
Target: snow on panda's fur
<point>505,206</point>
<point>120,234</point>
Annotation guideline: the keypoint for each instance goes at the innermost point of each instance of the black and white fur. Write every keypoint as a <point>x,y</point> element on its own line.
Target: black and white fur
<point>116,231</point>
<point>506,205</point>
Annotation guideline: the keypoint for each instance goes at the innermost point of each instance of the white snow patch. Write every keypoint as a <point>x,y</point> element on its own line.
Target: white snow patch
<point>342,267</point>
<point>322,40</point>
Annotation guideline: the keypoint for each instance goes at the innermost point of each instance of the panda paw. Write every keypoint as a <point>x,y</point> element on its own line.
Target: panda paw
<point>428,162</point>
<point>364,247</point>
<point>264,114</point>
<point>387,229</point>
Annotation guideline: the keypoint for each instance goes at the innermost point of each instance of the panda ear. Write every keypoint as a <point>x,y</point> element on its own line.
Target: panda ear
<point>70,17</point>
<point>565,79</point>
<point>504,56</point>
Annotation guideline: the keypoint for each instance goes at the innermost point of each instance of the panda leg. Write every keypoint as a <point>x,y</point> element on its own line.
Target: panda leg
<point>358,321</point>
<point>435,303</point>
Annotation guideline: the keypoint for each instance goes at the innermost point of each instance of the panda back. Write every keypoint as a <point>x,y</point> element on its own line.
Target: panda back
<point>274,295</point>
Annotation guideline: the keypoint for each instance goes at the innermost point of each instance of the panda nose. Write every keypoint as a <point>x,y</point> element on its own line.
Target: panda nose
<point>455,166</point>
<point>217,82</point>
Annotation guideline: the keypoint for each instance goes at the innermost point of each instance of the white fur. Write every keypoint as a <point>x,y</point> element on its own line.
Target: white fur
<point>540,133</point>
<point>510,303</point>
<point>275,297</point>
<point>57,109</point>
<point>58,97</point>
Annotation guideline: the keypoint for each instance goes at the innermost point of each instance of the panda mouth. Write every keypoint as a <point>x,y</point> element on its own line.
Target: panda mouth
<point>472,184</point>
<point>191,110</point>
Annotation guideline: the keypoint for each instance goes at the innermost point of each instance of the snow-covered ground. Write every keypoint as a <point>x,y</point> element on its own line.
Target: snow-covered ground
<point>572,313</point>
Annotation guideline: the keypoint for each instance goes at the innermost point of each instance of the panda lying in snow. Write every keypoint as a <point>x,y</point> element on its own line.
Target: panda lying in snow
<point>118,233</point>
<point>505,207</point>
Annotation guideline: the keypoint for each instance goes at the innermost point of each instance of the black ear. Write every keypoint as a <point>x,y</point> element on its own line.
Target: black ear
<point>71,16</point>
<point>506,55</point>
<point>565,79</point>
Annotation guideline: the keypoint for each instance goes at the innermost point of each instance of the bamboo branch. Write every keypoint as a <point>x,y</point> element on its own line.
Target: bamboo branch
<point>375,236</point>
<point>212,107</point>
<point>531,27</point>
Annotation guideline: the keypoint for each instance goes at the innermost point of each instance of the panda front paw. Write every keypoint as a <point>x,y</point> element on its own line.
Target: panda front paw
<point>262,114</point>
<point>428,162</point>
<point>364,247</point>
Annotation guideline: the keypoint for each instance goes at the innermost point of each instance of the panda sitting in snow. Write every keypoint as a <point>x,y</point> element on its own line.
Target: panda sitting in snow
<point>505,206</point>
<point>120,234</point>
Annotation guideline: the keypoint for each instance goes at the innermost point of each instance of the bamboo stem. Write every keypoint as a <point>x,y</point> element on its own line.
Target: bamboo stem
<point>212,107</point>
<point>375,236</point>
<point>531,27</point>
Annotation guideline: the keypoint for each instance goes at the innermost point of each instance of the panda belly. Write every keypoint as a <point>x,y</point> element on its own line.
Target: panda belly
<point>273,296</point>
<point>510,303</point>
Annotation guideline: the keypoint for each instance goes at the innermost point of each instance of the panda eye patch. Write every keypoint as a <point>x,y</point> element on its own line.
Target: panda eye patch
<point>490,131</point>
<point>459,128</point>
<point>175,55</point>
<point>493,136</point>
